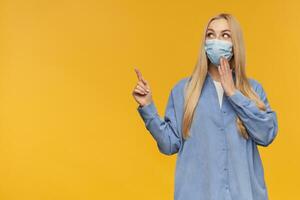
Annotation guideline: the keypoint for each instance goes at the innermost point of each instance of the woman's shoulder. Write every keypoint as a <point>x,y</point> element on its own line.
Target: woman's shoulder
<point>254,83</point>
<point>179,85</point>
<point>257,86</point>
<point>177,93</point>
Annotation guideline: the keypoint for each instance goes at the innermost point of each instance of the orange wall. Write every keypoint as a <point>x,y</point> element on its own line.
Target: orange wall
<point>69,128</point>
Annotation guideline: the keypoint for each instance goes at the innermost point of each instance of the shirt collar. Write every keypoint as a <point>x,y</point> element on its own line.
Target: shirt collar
<point>210,78</point>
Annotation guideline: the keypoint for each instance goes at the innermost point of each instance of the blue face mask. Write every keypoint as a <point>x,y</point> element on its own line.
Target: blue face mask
<point>216,48</point>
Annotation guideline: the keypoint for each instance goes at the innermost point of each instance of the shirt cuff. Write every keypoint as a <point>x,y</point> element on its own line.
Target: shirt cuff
<point>238,98</point>
<point>147,111</point>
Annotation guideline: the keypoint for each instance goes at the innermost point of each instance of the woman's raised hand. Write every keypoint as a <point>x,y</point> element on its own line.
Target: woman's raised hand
<point>142,92</point>
<point>225,72</point>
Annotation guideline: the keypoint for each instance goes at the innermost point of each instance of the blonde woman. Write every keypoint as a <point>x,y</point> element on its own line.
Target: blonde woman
<point>214,120</point>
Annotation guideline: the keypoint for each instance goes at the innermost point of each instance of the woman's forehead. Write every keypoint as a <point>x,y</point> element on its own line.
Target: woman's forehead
<point>218,25</point>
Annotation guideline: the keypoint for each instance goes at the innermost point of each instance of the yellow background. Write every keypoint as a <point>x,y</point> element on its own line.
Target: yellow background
<point>69,128</point>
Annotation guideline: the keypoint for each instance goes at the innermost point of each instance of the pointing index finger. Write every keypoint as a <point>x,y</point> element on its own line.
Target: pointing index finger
<point>140,77</point>
<point>138,73</point>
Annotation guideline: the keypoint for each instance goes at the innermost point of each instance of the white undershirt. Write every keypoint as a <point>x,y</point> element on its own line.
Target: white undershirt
<point>220,91</point>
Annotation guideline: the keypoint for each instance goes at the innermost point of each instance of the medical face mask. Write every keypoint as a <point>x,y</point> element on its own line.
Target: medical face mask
<point>216,48</point>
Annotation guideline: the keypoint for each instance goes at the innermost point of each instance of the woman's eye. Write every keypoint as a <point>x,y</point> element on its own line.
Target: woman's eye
<point>209,34</point>
<point>227,35</point>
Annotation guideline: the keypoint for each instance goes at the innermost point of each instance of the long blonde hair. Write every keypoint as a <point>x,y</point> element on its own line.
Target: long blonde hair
<point>193,87</point>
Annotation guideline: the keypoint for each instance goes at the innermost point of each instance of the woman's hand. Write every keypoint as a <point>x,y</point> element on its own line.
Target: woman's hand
<point>142,93</point>
<point>226,77</point>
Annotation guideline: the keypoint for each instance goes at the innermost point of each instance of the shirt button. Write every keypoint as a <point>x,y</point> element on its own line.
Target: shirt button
<point>225,169</point>
<point>223,149</point>
<point>226,187</point>
<point>222,129</point>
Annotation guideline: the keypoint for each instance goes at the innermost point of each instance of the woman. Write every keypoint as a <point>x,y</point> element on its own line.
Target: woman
<point>214,120</point>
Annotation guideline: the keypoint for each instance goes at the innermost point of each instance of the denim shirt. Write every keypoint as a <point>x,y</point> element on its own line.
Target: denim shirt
<point>216,162</point>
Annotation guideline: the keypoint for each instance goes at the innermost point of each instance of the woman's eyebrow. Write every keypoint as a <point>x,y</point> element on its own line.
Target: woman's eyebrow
<point>226,30</point>
<point>209,29</point>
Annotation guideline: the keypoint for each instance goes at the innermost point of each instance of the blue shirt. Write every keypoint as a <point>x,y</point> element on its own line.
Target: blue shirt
<point>216,162</point>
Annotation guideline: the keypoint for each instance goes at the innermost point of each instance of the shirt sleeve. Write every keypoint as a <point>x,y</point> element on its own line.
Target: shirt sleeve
<point>164,130</point>
<point>262,126</point>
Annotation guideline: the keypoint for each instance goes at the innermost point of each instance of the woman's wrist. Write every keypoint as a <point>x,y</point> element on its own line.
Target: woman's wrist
<point>146,104</point>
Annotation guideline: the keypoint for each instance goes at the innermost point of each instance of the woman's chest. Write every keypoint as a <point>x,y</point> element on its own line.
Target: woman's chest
<point>208,109</point>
